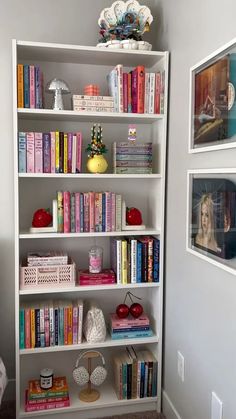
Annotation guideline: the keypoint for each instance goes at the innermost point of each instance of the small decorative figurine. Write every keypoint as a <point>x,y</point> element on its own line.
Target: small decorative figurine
<point>123,310</point>
<point>132,133</point>
<point>96,161</point>
<point>58,87</point>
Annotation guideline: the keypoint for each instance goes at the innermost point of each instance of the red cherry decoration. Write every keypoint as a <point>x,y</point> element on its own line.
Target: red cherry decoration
<point>136,310</point>
<point>133,216</point>
<point>122,311</point>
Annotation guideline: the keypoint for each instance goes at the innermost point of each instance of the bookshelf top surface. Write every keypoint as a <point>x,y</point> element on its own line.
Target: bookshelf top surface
<point>64,53</point>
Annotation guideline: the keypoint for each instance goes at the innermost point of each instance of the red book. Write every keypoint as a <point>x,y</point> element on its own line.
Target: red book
<point>107,276</point>
<point>129,93</point>
<point>45,405</point>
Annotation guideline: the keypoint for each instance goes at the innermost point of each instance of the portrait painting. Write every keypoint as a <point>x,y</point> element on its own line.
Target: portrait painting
<point>213,226</point>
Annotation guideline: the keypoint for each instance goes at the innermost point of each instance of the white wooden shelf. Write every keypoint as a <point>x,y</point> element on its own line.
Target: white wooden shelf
<point>97,288</point>
<point>108,398</point>
<point>70,115</point>
<point>88,176</point>
<point>147,232</point>
<point>109,343</point>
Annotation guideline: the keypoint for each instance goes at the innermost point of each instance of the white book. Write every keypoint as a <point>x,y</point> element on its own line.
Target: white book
<point>151,92</point>
<point>119,70</point>
<point>118,212</point>
<point>146,96</point>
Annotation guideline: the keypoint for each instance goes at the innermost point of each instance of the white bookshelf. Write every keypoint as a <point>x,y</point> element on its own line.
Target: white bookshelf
<point>79,65</point>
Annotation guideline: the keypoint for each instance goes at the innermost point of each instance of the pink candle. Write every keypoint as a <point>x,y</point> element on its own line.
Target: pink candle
<point>95,260</point>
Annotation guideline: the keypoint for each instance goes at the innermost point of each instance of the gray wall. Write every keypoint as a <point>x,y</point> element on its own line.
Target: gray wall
<point>200,298</point>
<point>72,22</point>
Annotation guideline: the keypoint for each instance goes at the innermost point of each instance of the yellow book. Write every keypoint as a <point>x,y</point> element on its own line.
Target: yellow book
<point>57,152</point>
<point>65,153</point>
<point>124,262</point>
<point>32,327</point>
<point>70,325</point>
<point>20,86</point>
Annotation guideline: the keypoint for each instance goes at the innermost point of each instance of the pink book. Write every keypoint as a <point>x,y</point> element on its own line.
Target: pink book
<point>134,90</point>
<point>78,152</point>
<point>91,212</point>
<point>53,152</point>
<point>108,211</point>
<point>125,92</point>
<point>113,211</point>
<point>105,274</point>
<point>116,322</point>
<point>77,212</point>
<point>66,211</point>
<point>38,152</point>
<point>74,151</point>
<point>30,151</point>
<point>84,282</point>
<point>75,324</point>
<point>86,212</point>
<point>32,86</point>
<point>80,320</point>
<point>96,212</point>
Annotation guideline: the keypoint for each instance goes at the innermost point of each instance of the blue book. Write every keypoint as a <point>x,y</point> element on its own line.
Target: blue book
<point>142,379</point>
<point>22,152</point>
<point>26,87</point>
<point>156,259</point>
<point>22,328</point>
<point>37,328</point>
<point>132,335</point>
<point>139,262</point>
<point>131,329</point>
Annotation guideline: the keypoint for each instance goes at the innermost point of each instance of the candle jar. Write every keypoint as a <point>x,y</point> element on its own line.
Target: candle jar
<point>95,259</point>
<point>46,378</point>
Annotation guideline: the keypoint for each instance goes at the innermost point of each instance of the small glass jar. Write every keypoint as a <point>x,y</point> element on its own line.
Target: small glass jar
<point>46,378</point>
<point>95,259</point>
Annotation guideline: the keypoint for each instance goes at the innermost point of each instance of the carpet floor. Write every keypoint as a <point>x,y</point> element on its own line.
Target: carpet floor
<point>7,411</point>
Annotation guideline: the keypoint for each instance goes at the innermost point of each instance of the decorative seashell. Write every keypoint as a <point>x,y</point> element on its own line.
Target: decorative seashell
<point>119,9</point>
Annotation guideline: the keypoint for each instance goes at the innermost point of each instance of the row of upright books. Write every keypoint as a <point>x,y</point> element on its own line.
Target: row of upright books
<point>137,91</point>
<point>135,259</point>
<point>132,158</point>
<point>50,152</point>
<point>129,327</point>
<point>88,212</point>
<point>37,399</point>
<point>29,86</point>
<point>51,323</point>
<point>135,374</point>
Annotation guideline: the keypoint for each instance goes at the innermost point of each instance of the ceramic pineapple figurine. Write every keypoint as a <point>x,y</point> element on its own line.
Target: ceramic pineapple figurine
<point>96,161</point>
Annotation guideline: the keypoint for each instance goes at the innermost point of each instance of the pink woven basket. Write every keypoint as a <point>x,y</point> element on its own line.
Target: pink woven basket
<point>47,276</point>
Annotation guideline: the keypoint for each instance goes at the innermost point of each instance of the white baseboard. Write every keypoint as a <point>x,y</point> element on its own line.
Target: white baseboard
<point>168,408</point>
<point>10,390</point>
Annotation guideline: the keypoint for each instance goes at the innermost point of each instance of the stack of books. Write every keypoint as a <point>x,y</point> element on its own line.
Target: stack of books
<point>93,103</point>
<point>135,259</point>
<point>29,86</point>
<point>132,158</point>
<point>106,277</point>
<point>88,212</point>
<point>51,258</point>
<point>50,152</point>
<point>129,327</point>
<point>135,374</point>
<point>51,323</point>
<point>54,398</point>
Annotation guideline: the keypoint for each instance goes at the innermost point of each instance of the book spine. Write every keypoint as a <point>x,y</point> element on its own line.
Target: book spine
<point>60,212</point>
<point>113,211</point>
<point>66,211</point>
<point>91,212</point>
<point>118,212</point>
<point>78,152</point>
<point>75,324</point>
<point>65,154</point>
<point>72,212</point>
<point>42,328</point>
<point>119,70</point>
<point>125,92</point>
<point>133,270</point>
<point>162,94</point>
<point>53,151</point>
<point>80,323</point>
<point>133,163</point>
<point>93,98</point>
<point>134,84</point>
<point>38,138</point>
<point>20,86</point>
<point>130,329</point>
<point>81,212</point>
<point>22,328</point>
<point>146,97</point>
<point>46,406</point>
<point>37,328</point>
<point>101,281</point>
<point>151,92</point>
<point>32,86</point>
<point>74,151</point>
<point>156,259</point>
<point>134,170</point>
<point>70,325</point>
<point>69,161</point>
<point>46,326</point>
<point>26,87</point>
<point>139,262</point>
<point>86,212</point>
<point>57,152</point>
<point>32,328</point>
<point>131,335</point>
<point>22,152</point>
<point>77,212</point>
<point>124,261</point>
<point>108,209</point>
<point>65,325</point>
<point>30,152</point>
<point>157,108</point>
<point>46,153</point>
<point>61,152</point>
<point>150,260</point>
<point>140,88</point>
<point>129,93</point>
<point>56,311</point>
<point>37,87</point>
<point>134,157</point>
<point>83,103</point>
<point>51,326</point>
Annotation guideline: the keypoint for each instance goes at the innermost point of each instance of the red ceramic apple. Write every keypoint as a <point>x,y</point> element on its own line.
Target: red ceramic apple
<point>136,310</point>
<point>122,311</point>
<point>42,218</point>
<point>133,216</point>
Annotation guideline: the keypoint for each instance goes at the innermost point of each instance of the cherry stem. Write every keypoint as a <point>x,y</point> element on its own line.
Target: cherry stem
<point>129,294</point>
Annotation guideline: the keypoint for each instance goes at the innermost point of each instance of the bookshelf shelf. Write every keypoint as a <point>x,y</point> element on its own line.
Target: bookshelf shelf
<point>69,115</point>
<point>78,65</point>
<point>109,343</point>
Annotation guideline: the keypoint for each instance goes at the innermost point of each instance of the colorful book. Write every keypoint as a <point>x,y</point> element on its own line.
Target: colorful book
<point>20,86</point>
<point>22,152</point>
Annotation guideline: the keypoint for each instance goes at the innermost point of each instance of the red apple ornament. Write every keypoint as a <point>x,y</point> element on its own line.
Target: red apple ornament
<point>42,218</point>
<point>136,310</point>
<point>122,311</point>
<point>133,216</point>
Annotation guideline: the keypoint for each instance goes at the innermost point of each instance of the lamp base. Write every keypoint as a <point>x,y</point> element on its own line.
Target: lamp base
<point>89,396</point>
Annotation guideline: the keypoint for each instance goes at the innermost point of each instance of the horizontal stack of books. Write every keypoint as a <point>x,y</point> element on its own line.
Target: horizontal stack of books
<point>129,327</point>
<point>135,259</point>
<point>51,152</point>
<point>132,158</point>
<point>106,277</point>
<point>88,212</point>
<point>51,258</point>
<point>93,103</point>
<point>137,91</point>
<point>135,374</point>
<point>54,398</point>
<point>51,323</point>
<point>29,86</point>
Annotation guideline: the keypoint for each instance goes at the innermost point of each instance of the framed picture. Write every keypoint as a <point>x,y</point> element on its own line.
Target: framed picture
<point>211,220</point>
<point>212,101</point>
